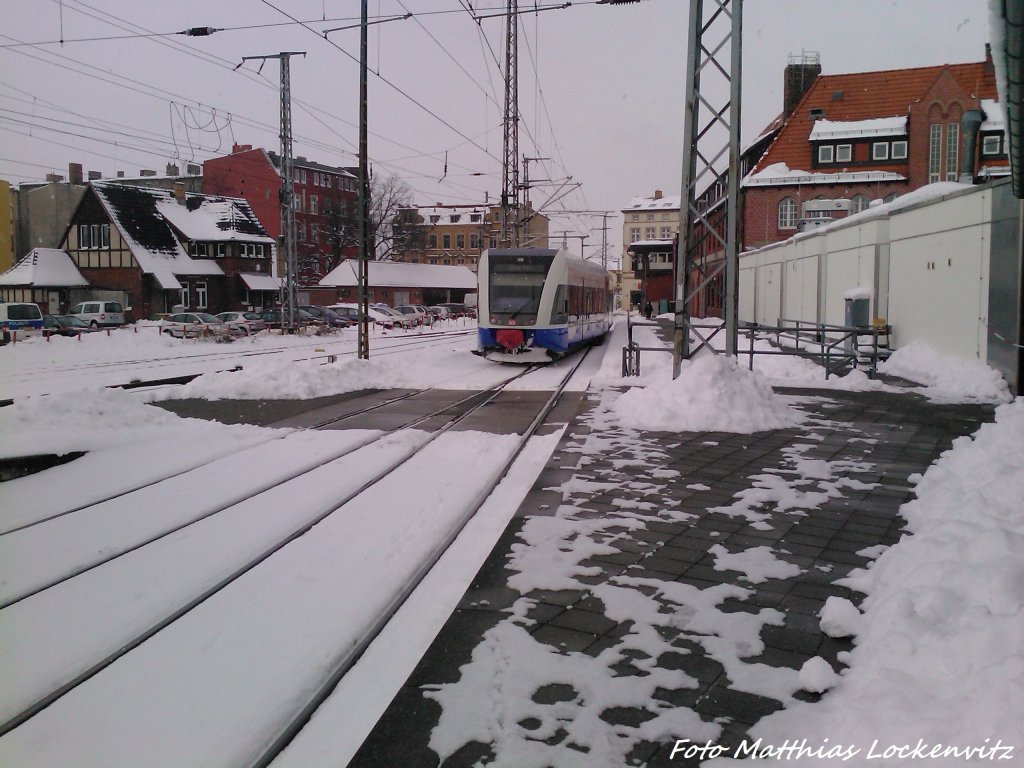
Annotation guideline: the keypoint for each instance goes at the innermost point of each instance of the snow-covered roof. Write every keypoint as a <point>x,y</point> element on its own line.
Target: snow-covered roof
<point>142,215</point>
<point>649,245</point>
<point>257,281</point>
<point>393,274</point>
<point>213,219</point>
<point>44,267</point>
<point>448,216</point>
<point>779,175</point>
<point>825,130</point>
<point>653,204</point>
<point>995,117</point>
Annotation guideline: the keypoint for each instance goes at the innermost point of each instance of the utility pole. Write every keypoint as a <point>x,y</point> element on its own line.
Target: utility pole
<point>365,235</point>
<point>711,131</point>
<point>510,140</point>
<point>287,193</point>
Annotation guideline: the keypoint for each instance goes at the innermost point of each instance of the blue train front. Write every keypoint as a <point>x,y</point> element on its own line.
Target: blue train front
<point>537,304</point>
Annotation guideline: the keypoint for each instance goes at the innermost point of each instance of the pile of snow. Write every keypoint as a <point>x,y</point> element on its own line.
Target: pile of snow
<point>939,658</point>
<point>946,378</point>
<point>712,394</point>
<point>297,380</point>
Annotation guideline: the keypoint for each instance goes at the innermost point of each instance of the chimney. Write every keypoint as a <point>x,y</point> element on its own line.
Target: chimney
<point>658,194</point>
<point>172,170</point>
<point>236,148</point>
<point>147,172</point>
<point>75,173</point>
<point>179,192</point>
<point>95,175</point>
<point>801,72</point>
<point>54,177</point>
<point>989,66</point>
<point>120,174</point>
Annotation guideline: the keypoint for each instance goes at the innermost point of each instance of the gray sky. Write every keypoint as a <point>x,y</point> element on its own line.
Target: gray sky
<point>606,106</point>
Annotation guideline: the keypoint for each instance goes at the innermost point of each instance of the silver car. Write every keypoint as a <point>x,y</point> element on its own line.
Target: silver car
<point>243,323</point>
<point>194,325</point>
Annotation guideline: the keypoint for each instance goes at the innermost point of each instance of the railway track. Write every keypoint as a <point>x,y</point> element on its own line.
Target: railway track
<point>112,646</point>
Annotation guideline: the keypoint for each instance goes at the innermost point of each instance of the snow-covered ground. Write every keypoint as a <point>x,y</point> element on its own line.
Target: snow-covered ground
<point>941,631</point>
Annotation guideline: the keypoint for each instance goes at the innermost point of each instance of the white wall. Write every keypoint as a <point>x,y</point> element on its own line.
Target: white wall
<point>926,267</point>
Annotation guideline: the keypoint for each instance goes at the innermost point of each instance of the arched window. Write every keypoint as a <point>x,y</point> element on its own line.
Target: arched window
<point>787,213</point>
<point>860,203</point>
<point>890,197</point>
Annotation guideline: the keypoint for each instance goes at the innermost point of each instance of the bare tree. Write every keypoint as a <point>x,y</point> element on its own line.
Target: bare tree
<point>388,198</point>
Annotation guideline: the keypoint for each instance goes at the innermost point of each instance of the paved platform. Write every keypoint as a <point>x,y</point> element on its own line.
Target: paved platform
<point>692,486</point>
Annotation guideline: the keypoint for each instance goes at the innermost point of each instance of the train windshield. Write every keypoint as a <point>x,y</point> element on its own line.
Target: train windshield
<point>516,283</point>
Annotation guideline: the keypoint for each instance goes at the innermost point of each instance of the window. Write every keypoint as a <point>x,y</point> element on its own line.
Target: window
<point>446,241</point>
<point>475,218</point>
<point>84,240</point>
<point>434,219</point>
<point>259,250</point>
<point>844,153</point>
<point>787,213</point>
<point>825,153</point>
<point>666,233</point>
<point>635,217</point>
<point>890,197</point>
<point>474,240</point>
<point>184,295</point>
<point>460,241</point>
<point>899,150</point>
<point>634,234</point>
<point>650,217</point>
<point>314,204</point>
<point>992,145</point>
<point>201,295</point>
<point>455,218</point>
<point>94,235</point>
<point>952,151</point>
<point>300,232</point>
<point>880,150</point>
<point>934,151</point>
<point>860,203</point>
<point>433,241</point>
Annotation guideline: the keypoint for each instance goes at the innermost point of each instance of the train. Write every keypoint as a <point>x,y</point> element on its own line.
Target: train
<point>536,305</point>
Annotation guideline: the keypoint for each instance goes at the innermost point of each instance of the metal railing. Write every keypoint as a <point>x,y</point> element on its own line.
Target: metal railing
<point>835,347</point>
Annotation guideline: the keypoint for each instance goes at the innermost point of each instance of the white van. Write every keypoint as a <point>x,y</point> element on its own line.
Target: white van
<point>99,313</point>
<point>15,315</point>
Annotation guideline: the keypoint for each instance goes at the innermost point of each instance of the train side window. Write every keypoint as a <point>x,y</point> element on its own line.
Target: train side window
<point>560,309</point>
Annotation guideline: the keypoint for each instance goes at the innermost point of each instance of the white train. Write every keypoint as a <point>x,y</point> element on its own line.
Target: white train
<point>538,304</point>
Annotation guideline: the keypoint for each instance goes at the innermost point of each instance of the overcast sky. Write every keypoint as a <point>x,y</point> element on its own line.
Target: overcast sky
<point>601,88</point>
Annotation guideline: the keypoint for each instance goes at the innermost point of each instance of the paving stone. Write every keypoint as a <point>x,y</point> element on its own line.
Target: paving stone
<point>563,639</point>
<point>583,621</point>
<point>737,705</point>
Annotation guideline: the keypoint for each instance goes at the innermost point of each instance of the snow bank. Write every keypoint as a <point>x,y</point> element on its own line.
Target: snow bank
<point>712,394</point>
<point>940,653</point>
<point>946,378</point>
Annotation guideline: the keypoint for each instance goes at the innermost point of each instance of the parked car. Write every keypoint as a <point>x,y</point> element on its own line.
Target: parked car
<point>244,323</point>
<point>383,318</point>
<point>278,318</point>
<point>99,313</point>
<point>328,316</point>
<point>398,319</point>
<point>16,315</point>
<point>409,310</point>
<point>65,325</point>
<point>439,312</point>
<point>192,325</point>
<point>456,309</point>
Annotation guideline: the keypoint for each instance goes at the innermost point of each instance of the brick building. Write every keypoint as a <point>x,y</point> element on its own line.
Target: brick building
<point>162,249</point>
<point>326,201</point>
<point>872,136</point>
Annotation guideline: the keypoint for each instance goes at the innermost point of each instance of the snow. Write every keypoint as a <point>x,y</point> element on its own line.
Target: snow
<point>946,378</point>
<point>857,293</point>
<point>840,618</point>
<point>402,275</point>
<point>817,675</point>
<point>780,174</point>
<point>44,267</point>
<point>825,130</point>
<point>940,654</point>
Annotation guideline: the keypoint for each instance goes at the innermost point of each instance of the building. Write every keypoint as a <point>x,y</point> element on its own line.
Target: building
<point>455,235</point>
<point>326,205</point>
<point>47,277</point>
<point>650,224</point>
<point>162,249</point>
<point>396,283</point>
<point>872,136</point>
<point>7,217</point>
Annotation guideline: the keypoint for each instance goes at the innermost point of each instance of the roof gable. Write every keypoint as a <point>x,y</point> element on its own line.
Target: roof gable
<point>44,267</point>
<point>866,96</point>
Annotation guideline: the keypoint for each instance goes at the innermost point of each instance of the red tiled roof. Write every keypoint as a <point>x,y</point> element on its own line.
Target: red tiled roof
<point>867,95</point>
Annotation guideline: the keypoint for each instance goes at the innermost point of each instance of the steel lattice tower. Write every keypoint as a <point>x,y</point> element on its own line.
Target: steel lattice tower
<point>709,241</point>
<point>510,212</point>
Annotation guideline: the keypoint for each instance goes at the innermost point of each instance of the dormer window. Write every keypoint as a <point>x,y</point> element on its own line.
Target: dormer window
<point>434,219</point>
<point>992,145</point>
<point>475,218</point>
<point>816,114</point>
<point>455,218</point>
<point>826,154</point>
<point>844,153</point>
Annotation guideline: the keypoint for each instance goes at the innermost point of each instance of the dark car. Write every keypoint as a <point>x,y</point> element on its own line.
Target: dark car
<point>278,318</point>
<point>65,325</point>
<point>328,316</point>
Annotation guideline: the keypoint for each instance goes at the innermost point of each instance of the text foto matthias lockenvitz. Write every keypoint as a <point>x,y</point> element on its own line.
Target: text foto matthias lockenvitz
<point>802,749</point>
